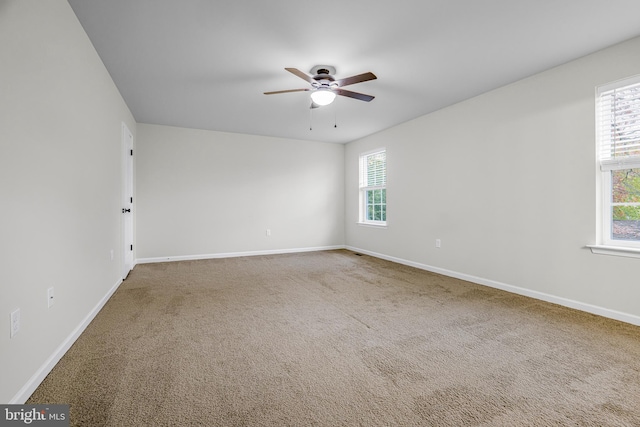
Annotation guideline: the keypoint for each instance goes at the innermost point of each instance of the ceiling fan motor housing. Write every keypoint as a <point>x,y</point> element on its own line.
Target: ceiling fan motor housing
<point>323,69</point>
<point>323,77</point>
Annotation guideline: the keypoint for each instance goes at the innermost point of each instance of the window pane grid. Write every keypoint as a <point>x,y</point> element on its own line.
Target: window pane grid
<point>376,205</point>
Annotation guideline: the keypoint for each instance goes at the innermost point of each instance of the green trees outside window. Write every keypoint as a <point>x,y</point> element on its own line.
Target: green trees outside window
<point>625,204</point>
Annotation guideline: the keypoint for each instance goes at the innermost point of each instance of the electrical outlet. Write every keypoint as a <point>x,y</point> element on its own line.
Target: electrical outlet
<point>438,243</point>
<point>50,297</point>
<point>268,232</point>
<point>15,322</point>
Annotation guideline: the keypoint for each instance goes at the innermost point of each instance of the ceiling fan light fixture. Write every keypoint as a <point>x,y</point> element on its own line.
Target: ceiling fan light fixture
<point>323,96</point>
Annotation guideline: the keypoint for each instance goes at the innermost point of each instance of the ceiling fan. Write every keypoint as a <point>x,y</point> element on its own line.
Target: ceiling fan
<point>324,87</point>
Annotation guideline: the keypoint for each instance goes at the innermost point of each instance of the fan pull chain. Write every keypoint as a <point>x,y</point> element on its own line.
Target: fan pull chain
<point>335,115</point>
<point>310,118</point>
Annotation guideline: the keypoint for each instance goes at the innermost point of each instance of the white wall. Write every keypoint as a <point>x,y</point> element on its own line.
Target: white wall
<point>507,181</point>
<point>203,193</point>
<point>60,126</point>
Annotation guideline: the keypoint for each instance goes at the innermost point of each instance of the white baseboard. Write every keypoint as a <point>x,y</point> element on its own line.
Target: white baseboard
<point>589,308</point>
<point>33,383</point>
<point>234,254</point>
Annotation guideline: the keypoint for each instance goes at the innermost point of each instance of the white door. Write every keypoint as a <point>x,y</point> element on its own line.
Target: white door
<point>127,200</point>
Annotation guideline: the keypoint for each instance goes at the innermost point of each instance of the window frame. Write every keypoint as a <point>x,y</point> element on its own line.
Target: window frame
<point>608,165</point>
<point>364,189</point>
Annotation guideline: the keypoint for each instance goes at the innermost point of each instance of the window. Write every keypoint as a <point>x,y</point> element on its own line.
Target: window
<point>618,133</point>
<point>373,187</point>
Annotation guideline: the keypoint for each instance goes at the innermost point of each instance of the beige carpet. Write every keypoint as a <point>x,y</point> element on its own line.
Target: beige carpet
<point>336,339</point>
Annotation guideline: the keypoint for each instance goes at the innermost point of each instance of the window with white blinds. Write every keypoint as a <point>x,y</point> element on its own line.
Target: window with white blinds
<point>618,133</point>
<point>619,124</point>
<point>373,187</point>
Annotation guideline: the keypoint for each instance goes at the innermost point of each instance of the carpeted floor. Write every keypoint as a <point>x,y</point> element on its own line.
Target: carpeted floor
<point>336,339</point>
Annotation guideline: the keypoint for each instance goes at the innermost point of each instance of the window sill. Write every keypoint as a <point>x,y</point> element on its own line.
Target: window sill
<point>615,251</point>
<point>370,224</point>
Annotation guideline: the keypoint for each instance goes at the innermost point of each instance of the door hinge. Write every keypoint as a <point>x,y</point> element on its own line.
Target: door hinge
<point>131,199</point>
<point>131,247</point>
<point>132,152</point>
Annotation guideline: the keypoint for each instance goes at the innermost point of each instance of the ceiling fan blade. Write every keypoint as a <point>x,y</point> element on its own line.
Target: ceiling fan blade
<point>356,79</point>
<point>287,91</point>
<point>354,95</point>
<point>302,75</point>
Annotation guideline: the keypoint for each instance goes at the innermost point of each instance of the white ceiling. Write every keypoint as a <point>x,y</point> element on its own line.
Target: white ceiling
<point>205,63</point>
